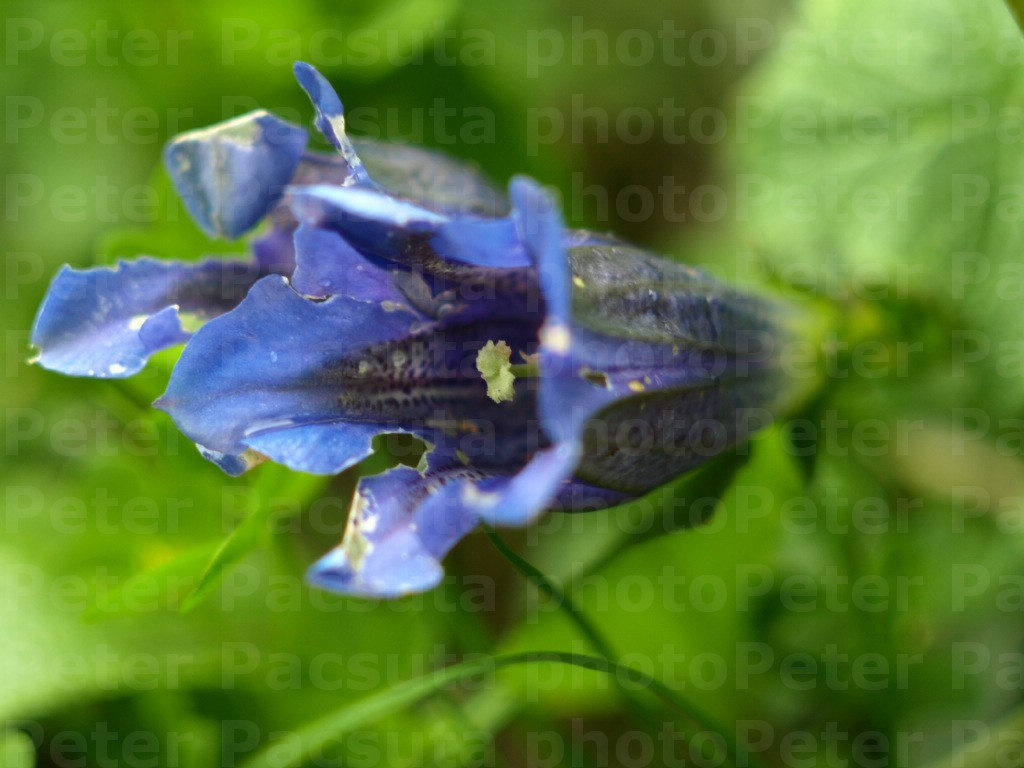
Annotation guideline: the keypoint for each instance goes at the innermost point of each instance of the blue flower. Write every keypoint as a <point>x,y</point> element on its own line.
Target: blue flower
<point>107,321</point>
<point>381,275</point>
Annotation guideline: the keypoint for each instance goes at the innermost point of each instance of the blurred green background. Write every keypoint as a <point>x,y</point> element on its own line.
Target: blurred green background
<point>858,595</point>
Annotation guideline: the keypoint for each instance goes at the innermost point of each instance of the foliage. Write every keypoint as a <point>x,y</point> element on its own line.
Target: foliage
<point>856,591</point>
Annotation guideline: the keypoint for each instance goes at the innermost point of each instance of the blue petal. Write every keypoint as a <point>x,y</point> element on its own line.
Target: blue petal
<point>644,361</point>
<point>320,449</point>
<point>326,265</point>
<point>402,524</point>
<point>567,399</point>
<point>284,363</point>
<point>232,464</point>
<point>396,230</point>
<point>330,117</point>
<point>275,250</point>
<point>520,498</point>
<point>231,174</point>
<point>427,178</point>
<point>278,362</point>
<point>106,322</point>
<point>493,243</point>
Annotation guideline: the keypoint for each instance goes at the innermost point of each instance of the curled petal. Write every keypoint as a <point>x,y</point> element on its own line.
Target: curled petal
<point>403,522</point>
<point>330,117</point>
<point>567,398</point>
<point>106,322</point>
<point>231,174</point>
<point>431,179</point>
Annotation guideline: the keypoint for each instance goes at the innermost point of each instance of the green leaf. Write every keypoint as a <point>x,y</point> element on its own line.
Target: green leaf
<point>169,580</point>
<point>17,750</point>
<point>402,30</point>
<point>880,151</point>
<point>253,531</point>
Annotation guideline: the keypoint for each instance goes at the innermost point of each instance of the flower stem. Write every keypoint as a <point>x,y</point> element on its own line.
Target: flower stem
<point>555,593</point>
<point>525,370</point>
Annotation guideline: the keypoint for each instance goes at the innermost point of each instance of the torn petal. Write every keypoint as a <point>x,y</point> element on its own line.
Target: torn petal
<point>402,524</point>
<point>318,448</point>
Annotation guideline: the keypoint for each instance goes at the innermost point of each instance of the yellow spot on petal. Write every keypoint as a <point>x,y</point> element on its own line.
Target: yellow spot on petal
<point>637,386</point>
<point>578,281</point>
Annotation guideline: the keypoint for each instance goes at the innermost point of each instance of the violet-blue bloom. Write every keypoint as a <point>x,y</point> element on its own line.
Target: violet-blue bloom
<point>373,292</point>
<point>232,177</point>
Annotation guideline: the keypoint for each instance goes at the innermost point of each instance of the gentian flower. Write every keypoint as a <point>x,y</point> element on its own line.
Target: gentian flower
<point>387,284</point>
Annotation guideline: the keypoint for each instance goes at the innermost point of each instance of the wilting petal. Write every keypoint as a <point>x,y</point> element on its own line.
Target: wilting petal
<point>231,174</point>
<point>232,464</point>
<point>106,322</point>
<point>438,182</point>
<point>278,362</point>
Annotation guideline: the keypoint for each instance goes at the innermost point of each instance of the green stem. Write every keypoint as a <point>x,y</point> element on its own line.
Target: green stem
<point>525,370</point>
<point>556,594</point>
<point>573,612</point>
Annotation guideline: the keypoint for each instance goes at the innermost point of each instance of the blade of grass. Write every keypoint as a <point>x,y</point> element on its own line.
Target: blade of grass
<point>298,747</point>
